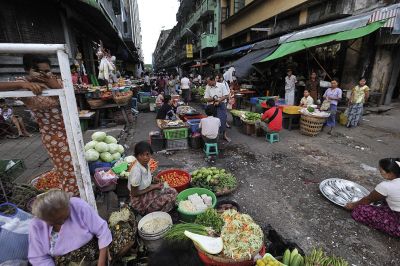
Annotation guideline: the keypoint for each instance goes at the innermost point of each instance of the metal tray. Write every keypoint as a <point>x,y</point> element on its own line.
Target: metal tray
<point>341,191</point>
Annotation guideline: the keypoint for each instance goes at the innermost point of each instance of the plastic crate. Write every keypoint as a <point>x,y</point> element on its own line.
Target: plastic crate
<point>254,100</point>
<point>194,125</point>
<point>179,133</point>
<point>177,144</point>
<point>144,99</point>
<point>11,169</point>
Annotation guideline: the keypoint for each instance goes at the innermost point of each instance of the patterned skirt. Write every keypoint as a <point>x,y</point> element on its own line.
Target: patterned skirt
<point>155,200</point>
<point>54,138</point>
<point>378,217</point>
<point>355,114</point>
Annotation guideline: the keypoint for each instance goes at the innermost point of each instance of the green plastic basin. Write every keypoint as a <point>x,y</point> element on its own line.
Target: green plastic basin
<point>189,216</point>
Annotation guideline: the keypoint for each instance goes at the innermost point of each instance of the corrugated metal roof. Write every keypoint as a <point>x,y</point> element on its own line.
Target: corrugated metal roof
<point>388,13</point>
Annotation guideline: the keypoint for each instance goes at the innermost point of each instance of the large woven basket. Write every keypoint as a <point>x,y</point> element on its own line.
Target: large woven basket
<point>122,100</point>
<point>95,103</point>
<point>311,125</point>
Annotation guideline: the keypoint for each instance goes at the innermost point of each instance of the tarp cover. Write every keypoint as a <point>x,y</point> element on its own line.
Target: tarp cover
<point>293,47</point>
<point>231,52</point>
<point>244,65</point>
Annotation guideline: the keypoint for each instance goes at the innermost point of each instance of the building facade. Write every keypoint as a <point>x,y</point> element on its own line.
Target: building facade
<point>81,24</point>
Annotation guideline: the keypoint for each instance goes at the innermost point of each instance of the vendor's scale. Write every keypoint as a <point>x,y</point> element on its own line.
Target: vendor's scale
<point>68,108</point>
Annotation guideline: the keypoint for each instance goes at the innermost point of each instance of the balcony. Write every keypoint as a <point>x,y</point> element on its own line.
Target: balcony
<point>209,41</point>
<point>207,7</point>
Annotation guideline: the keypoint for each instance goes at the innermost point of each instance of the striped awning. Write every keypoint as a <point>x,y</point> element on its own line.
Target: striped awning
<point>388,13</point>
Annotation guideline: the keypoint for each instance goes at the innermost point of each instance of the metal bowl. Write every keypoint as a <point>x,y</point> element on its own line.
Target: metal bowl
<point>342,191</point>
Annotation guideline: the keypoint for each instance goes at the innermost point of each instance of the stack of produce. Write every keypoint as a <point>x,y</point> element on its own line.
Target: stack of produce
<point>195,203</point>
<point>268,260</point>
<point>242,237</point>
<point>235,112</point>
<point>103,147</point>
<point>292,258</point>
<point>177,231</point>
<point>47,181</point>
<point>319,258</point>
<point>210,218</point>
<point>175,178</point>
<point>250,117</point>
<point>217,180</point>
<point>123,229</point>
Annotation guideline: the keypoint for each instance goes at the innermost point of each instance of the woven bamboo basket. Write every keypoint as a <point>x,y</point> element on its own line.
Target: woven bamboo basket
<point>122,100</point>
<point>311,125</point>
<point>95,103</point>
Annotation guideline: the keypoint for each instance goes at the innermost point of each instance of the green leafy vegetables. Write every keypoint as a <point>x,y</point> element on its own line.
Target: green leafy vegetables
<point>177,231</point>
<point>214,179</point>
<point>210,218</point>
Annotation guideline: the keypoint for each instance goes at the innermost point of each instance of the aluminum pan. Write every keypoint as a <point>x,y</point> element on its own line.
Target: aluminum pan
<point>342,191</point>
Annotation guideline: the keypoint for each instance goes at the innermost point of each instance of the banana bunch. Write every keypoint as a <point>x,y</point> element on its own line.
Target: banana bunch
<point>319,258</point>
<point>292,258</point>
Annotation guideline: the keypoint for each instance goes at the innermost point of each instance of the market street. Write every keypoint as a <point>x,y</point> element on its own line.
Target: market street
<point>279,184</point>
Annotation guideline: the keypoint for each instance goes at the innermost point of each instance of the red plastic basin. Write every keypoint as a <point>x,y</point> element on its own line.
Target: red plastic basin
<point>180,172</point>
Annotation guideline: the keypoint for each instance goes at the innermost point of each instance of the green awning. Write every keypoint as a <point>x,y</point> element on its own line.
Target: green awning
<point>293,47</point>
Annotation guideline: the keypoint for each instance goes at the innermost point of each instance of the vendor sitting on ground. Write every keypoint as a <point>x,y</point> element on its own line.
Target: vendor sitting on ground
<point>66,230</point>
<point>271,121</point>
<point>307,100</point>
<point>210,126</point>
<point>166,111</point>
<point>386,217</point>
<point>147,194</point>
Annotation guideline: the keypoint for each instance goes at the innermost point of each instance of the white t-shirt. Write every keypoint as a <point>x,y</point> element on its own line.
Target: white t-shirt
<point>391,190</point>
<point>147,80</point>
<point>185,82</point>
<point>219,90</point>
<point>139,176</point>
<point>290,83</point>
<point>307,101</point>
<point>210,127</point>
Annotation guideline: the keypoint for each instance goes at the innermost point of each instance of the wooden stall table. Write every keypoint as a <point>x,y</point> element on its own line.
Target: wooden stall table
<point>85,116</point>
<point>108,106</point>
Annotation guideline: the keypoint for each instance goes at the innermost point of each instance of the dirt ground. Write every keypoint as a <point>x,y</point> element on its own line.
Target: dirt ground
<point>278,183</point>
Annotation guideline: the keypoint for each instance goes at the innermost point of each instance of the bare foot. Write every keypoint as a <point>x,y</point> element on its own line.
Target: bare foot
<point>27,135</point>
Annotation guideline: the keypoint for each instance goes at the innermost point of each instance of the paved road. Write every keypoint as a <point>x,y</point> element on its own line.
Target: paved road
<point>279,184</point>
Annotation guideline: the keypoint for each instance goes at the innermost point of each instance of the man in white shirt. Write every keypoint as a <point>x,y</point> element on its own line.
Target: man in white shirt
<point>217,94</point>
<point>210,126</point>
<point>290,87</point>
<point>185,87</point>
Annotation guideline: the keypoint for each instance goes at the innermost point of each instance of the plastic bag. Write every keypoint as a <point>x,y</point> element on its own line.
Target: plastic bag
<point>14,231</point>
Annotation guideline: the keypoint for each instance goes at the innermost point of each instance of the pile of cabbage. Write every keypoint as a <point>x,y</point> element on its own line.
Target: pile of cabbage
<point>104,148</point>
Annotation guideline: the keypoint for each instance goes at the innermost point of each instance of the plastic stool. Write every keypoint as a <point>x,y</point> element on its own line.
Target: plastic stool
<point>211,149</point>
<point>272,137</point>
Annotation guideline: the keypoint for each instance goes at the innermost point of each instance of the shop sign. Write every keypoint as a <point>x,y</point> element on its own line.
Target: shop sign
<point>189,50</point>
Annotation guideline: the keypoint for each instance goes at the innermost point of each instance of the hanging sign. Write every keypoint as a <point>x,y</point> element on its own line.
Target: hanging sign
<point>189,50</point>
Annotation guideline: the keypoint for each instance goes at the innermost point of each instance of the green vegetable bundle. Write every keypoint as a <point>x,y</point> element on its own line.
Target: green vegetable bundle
<point>236,112</point>
<point>201,91</point>
<point>177,231</point>
<point>217,180</point>
<point>319,258</point>
<point>250,116</point>
<point>210,218</point>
